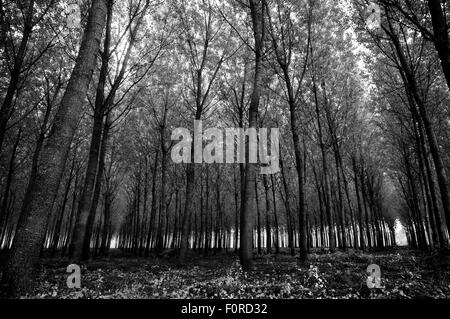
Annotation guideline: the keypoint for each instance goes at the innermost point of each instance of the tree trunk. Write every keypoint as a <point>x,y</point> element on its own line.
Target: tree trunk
<point>97,188</point>
<point>358,200</point>
<point>257,13</point>
<point>106,233</point>
<point>258,217</point>
<point>77,250</point>
<point>364,202</point>
<point>237,209</point>
<point>4,207</point>
<point>288,209</point>
<point>277,226</point>
<point>17,278</point>
<point>327,199</point>
<point>152,207</point>
<point>58,228</point>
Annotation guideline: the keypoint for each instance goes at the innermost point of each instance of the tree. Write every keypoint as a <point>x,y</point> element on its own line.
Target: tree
<point>41,190</point>
<point>257,14</point>
<point>283,34</point>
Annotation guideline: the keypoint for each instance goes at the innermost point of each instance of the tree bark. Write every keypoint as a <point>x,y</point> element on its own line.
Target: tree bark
<point>97,188</point>
<point>331,232</point>
<point>246,240</point>
<point>17,278</point>
<point>82,220</point>
<point>275,215</point>
<point>358,200</point>
<point>152,207</point>
<point>4,207</point>
<point>288,210</point>
<point>258,217</point>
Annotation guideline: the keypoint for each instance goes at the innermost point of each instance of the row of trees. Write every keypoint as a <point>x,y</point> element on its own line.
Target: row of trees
<point>87,116</point>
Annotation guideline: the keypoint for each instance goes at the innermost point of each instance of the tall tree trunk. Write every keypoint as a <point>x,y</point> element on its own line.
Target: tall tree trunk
<point>327,199</point>
<point>71,218</point>
<point>105,241</point>
<point>60,217</point>
<point>207,228</point>
<point>97,188</point>
<point>258,217</point>
<point>175,224</point>
<point>162,201</point>
<point>202,215</point>
<point>76,249</point>
<point>364,201</point>
<point>275,215</point>
<point>152,206</point>
<point>188,206</point>
<point>358,200</point>
<point>17,278</point>
<point>288,209</point>
<point>257,13</point>
<point>267,198</point>
<point>428,205</point>
<point>237,209</point>
<point>4,207</point>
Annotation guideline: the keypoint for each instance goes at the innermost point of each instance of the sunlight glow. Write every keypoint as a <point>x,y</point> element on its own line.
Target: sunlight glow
<point>400,234</point>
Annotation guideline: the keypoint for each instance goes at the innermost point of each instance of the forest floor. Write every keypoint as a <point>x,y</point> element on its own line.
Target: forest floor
<point>404,274</point>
